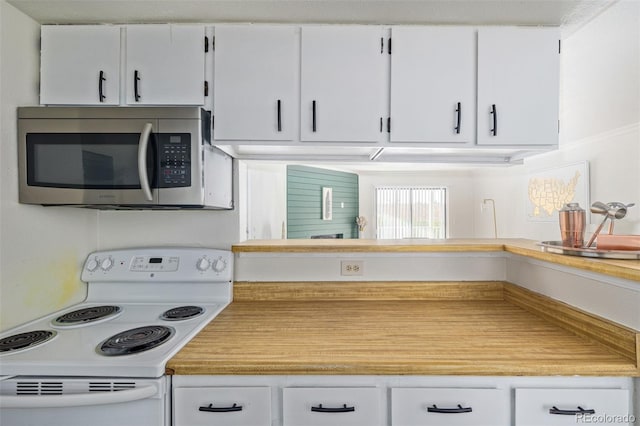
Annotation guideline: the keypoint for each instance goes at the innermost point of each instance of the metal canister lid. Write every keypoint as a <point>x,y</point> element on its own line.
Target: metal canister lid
<point>571,207</point>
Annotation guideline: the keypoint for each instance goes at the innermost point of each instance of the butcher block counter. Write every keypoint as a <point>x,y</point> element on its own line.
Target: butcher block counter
<point>470,328</point>
<point>392,327</point>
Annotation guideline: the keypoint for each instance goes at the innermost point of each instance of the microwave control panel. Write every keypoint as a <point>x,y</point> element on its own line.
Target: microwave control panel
<point>174,150</point>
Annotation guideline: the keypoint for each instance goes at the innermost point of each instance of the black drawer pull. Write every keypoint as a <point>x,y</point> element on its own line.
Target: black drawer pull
<point>580,410</point>
<point>313,119</point>
<point>458,410</point>
<point>212,409</point>
<point>101,80</point>
<point>136,91</point>
<point>343,409</point>
<point>458,118</point>
<point>279,116</point>
<point>494,113</point>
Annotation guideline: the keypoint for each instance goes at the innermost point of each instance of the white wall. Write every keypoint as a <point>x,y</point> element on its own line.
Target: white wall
<point>198,228</point>
<point>266,202</point>
<point>600,123</point>
<point>41,249</point>
<point>460,185</point>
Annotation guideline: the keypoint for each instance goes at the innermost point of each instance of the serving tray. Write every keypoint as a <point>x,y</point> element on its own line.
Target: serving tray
<point>558,248</point>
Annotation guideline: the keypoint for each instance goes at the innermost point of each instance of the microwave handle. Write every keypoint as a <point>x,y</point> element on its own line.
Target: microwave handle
<point>142,161</point>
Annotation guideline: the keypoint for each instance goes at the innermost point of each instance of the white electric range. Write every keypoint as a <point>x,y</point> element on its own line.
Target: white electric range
<point>104,359</point>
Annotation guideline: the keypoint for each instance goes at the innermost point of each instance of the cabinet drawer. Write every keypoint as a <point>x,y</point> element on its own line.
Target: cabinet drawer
<point>227,406</point>
<point>331,406</point>
<point>535,407</point>
<point>449,406</point>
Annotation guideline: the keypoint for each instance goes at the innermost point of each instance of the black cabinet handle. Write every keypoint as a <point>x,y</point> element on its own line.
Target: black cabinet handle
<point>494,131</point>
<point>460,409</point>
<point>458,118</point>
<point>279,117</point>
<point>101,79</point>
<point>136,79</point>
<point>580,410</point>
<point>343,409</point>
<point>313,118</point>
<point>212,409</point>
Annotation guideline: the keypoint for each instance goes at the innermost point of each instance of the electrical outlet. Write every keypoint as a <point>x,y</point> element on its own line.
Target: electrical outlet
<point>351,267</point>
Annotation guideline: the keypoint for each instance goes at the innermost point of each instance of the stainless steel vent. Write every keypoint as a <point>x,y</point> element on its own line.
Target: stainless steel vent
<point>39,388</point>
<point>110,386</point>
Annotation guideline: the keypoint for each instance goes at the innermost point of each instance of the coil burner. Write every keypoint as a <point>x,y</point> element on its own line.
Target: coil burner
<point>182,313</point>
<point>27,340</point>
<point>88,315</point>
<point>135,340</point>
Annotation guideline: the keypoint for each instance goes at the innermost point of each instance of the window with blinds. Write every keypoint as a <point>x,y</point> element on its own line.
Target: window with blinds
<point>411,212</point>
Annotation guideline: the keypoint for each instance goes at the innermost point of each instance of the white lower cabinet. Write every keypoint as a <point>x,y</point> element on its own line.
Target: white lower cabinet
<point>224,406</point>
<point>361,400</point>
<point>550,407</point>
<point>449,406</point>
<point>331,406</point>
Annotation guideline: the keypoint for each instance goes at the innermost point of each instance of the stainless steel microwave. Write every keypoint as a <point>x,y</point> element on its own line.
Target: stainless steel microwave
<point>121,157</point>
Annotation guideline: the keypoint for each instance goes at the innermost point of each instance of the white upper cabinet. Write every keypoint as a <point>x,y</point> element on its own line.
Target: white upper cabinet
<point>433,84</point>
<point>165,64</point>
<point>80,65</point>
<point>518,86</point>
<point>342,83</point>
<point>254,83</point>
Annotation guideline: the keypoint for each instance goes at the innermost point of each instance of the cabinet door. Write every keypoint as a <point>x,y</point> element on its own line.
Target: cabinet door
<point>165,65</point>
<point>342,84</point>
<point>433,78</point>
<point>80,65</point>
<point>549,407</point>
<point>254,81</point>
<point>224,406</point>
<point>451,406</point>
<point>331,406</point>
<point>518,86</point>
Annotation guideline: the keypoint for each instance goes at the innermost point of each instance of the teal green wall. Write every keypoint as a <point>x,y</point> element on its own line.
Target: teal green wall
<point>304,202</point>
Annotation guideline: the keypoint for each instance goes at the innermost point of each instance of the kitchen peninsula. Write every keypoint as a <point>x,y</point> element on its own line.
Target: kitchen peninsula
<point>398,332</point>
<point>444,323</point>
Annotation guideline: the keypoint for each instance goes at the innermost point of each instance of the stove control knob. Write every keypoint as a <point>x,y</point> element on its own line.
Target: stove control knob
<point>106,264</point>
<point>219,265</point>
<point>203,264</point>
<point>92,265</point>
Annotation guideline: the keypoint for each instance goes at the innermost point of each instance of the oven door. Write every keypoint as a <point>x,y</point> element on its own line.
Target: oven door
<point>88,161</point>
<point>56,401</point>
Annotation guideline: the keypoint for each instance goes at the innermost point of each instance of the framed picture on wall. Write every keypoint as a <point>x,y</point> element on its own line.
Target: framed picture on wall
<point>548,190</point>
<point>327,203</point>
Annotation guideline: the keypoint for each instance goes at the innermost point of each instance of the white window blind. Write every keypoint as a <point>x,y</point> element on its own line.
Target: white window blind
<point>411,212</point>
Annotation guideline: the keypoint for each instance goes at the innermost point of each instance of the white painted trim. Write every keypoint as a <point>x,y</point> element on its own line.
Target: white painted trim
<point>374,268</point>
<point>603,278</point>
<point>618,303</point>
<point>386,255</point>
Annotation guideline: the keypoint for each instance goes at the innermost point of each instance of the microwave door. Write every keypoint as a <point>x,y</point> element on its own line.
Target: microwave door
<point>91,162</point>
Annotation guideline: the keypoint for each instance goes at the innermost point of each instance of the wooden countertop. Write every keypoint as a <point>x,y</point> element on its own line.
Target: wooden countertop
<point>627,269</point>
<point>490,335</point>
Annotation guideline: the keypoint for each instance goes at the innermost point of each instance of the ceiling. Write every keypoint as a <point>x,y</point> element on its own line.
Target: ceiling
<point>568,14</point>
<point>564,13</point>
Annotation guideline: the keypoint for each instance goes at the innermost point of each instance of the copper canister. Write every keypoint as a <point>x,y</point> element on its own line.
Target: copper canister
<point>572,225</point>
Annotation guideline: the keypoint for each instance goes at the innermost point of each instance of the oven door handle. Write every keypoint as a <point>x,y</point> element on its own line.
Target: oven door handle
<point>142,160</point>
<point>77,400</point>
